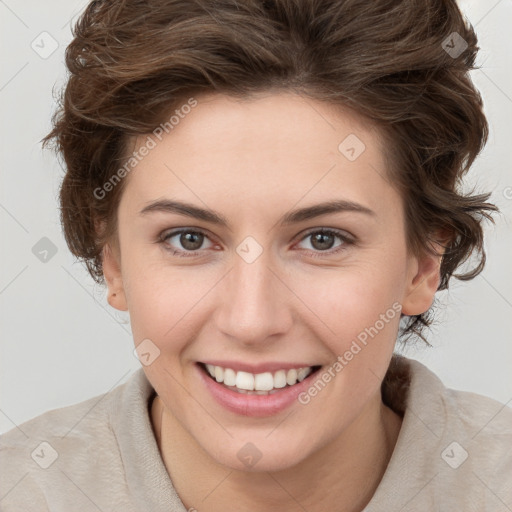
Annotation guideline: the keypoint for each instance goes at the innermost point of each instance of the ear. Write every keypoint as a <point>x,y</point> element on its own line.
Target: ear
<point>422,281</point>
<point>113,277</point>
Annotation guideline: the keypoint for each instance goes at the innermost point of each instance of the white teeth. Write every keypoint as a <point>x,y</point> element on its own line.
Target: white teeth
<point>280,379</point>
<point>261,383</point>
<point>303,373</point>
<point>244,380</point>
<point>229,377</point>
<point>291,377</point>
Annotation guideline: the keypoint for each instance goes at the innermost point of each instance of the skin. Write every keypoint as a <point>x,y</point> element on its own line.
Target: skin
<point>253,161</point>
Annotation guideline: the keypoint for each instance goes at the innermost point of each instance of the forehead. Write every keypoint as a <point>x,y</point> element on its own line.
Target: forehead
<point>268,151</point>
<point>218,123</point>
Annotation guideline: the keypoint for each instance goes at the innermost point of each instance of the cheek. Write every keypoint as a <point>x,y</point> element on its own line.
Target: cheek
<point>349,300</point>
<point>162,321</point>
<point>158,310</point>
<point>154,297</point>
<point>167,305</point>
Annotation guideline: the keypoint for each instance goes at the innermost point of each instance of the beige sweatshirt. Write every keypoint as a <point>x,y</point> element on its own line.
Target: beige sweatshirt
<point>454,452</point>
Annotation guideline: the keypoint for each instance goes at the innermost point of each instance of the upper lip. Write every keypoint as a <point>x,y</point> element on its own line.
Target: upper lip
<point>257,368</point>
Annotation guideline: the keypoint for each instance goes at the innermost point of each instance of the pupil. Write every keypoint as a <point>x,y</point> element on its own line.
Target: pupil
<point>320,237</point>
<point>187,240</point>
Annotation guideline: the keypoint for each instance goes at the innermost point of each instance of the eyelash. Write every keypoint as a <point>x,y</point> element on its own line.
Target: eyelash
<point>315,254</point>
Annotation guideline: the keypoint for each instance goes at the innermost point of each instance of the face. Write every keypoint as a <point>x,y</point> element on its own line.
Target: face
<point>256,287</point>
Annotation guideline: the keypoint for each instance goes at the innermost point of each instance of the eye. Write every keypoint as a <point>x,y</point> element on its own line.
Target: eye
<point>190,240</point>
<point>322,241</point>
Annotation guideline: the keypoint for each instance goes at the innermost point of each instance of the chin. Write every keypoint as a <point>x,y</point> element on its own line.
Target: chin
<point>258,454</point>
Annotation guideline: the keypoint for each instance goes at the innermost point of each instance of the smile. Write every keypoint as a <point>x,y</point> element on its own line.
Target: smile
<point>265,383</point>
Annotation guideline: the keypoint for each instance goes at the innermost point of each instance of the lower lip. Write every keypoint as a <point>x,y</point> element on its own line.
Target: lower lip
<point>254,405</point>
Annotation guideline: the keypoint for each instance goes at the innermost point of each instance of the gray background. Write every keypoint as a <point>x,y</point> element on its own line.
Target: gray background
<point>61,342</point>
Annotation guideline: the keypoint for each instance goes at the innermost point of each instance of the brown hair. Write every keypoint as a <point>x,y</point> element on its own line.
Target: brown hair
<point>397,63</point>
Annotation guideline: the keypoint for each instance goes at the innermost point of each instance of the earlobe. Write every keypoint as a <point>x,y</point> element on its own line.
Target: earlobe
<point>423,282</point>
<point>113,277</point>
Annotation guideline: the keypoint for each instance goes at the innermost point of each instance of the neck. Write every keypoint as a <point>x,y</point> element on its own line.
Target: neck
<point>342,476</point>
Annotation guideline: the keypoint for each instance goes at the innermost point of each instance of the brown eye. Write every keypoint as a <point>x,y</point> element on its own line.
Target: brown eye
<point>191,240</point>
<point>323,242</point>
<point>185,241</point>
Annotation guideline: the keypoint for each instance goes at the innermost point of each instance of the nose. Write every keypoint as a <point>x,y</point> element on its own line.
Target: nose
<point>253,303</point>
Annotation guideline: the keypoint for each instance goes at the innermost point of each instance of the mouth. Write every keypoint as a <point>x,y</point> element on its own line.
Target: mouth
<point>265,383</point>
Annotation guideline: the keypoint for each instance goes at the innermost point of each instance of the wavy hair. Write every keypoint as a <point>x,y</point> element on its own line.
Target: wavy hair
<point>402,65</point>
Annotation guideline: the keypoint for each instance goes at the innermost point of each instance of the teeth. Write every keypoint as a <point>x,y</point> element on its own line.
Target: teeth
<point>229,377</point>
<point>261,383</point>
<point>244,380</point>
<point>264,381</point>
<point>303,373</point>
<point>280,379</point>
<point>291,377</point>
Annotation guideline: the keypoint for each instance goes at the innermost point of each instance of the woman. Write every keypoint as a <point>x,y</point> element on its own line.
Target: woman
<point>212,150</point>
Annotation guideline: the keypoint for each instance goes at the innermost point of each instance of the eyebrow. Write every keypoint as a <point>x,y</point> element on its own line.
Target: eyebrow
<point>293,217</point>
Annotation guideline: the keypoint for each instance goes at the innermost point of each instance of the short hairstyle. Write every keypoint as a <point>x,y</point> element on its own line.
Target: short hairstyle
<point>401,65</point>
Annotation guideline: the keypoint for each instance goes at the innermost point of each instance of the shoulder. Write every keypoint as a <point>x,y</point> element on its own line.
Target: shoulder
<point>484,427</point>
<point>460,442</point>
<point>473,414</point>
<point>53,457</point>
